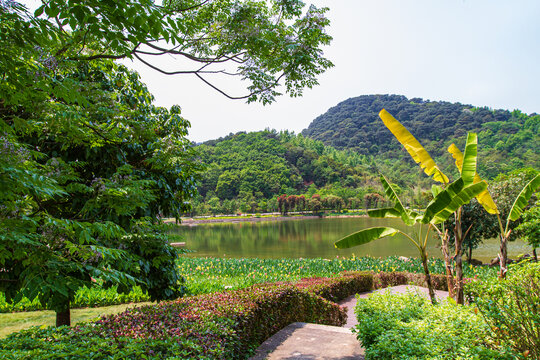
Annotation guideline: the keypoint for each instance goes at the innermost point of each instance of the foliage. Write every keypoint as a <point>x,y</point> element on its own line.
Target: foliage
<point>529,230</point>
<point>204,275</point>
<point>508,139</point>
<point>227,325</point>
<point>117,163</point>
<point>510,307</point>
<point>266,44</point>
<point>407,326</point>
<point>207,275</point>
<point>257,171</point>
<point>445,203</point>
<point>84,297</point>
<point>338,288</point>
<point>87,159</point>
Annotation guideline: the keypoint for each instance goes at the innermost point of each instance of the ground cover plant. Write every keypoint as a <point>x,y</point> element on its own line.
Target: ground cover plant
<point>204,275</point>
<point>511,307</point>
<point>408,326</point>
<point>207,275</point>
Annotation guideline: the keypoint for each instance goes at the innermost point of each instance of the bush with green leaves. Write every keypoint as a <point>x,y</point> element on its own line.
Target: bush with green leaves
<point>511,307</point>
<point>408,326</point>
<point>226,325</point>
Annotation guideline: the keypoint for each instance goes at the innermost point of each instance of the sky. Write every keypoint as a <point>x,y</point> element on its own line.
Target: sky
<point>478,52</point>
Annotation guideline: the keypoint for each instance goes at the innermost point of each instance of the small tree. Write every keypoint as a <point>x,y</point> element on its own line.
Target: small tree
<point>529,230</point>
<point>441,207</point>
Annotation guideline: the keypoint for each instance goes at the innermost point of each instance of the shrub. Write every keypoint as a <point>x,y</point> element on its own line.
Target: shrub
<point>225,325</point>
<point>408,326</point>
<point>386,279</point>
<point>336,289</point>
<point>511,307</point>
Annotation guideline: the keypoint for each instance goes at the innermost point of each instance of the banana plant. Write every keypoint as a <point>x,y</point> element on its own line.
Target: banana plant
<point>515,212</point>
<point>446,202</point>
<point>489,205</point>
<point>422,157</point>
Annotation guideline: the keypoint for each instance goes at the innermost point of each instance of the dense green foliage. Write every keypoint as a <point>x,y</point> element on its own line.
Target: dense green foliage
<point>115,162</point>
<point>88,165</point>
<point>208,275</point>
<point>247,172</point>
<point>204,275</point>
<point>481,225</point>
<point>510,307</point>
<point>226,325</point>
<point>507,140</point>
<point>407,326</point>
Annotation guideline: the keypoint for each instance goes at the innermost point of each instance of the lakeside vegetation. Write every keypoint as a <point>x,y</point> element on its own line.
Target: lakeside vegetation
<point>89,167</point>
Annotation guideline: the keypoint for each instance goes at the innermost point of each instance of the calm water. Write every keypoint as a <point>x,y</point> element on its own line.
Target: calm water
<point>310,238</point>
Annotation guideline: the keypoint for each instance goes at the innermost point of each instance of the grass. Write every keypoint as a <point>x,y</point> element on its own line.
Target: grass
<point>12,322</point>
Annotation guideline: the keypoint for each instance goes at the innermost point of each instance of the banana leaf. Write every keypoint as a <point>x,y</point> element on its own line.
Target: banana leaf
<point>442,200</point>
<point>365,236</point>
<point>413,147</point>
<point>523,198</point>
<point>468,168</point>
<point>484,198</point>
<point>391,194</point>
<point>457,199</point>
<point>384,213</point>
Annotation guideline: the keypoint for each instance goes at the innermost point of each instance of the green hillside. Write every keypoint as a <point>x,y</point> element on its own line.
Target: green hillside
<point>507,140</point>
<point>247,172</point>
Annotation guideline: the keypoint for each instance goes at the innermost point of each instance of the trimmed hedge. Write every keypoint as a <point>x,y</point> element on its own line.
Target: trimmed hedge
<point>225,325</point>
<point>386,279</point>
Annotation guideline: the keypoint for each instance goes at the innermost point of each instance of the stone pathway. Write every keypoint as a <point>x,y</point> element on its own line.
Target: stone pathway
<point>304,341</point>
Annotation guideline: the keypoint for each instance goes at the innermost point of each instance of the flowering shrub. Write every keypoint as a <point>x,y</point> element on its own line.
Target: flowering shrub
<point>223,325</point>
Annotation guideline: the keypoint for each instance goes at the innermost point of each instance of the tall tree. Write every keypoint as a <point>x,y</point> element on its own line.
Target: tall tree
<point>88,164</point>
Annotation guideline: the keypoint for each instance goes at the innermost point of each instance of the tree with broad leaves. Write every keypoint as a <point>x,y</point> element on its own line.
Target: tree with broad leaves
<point>445,203</point>
<point>88,165</point>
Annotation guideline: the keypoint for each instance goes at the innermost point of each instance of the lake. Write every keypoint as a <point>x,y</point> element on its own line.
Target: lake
<point>311,238</point>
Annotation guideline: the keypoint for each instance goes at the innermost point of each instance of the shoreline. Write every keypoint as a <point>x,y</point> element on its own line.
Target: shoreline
<point>253,219</point>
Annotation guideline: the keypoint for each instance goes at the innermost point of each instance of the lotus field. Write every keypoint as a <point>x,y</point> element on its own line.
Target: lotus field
<point>208,275</point>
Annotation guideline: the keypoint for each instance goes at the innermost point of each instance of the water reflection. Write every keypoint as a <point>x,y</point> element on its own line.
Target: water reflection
<point>309,238</point>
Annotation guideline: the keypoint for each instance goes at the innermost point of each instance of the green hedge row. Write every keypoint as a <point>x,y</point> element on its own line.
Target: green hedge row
<point>226,325</point>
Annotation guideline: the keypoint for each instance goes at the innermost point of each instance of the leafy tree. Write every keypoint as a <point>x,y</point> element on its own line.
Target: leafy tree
<point>475,222</point>
<point>529,229</point>
<point>115,165</point>
<point>88,164</point>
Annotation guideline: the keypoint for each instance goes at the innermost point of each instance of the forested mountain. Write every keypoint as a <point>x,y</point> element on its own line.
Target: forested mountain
<point>250,172</point>
<point>507,140</point>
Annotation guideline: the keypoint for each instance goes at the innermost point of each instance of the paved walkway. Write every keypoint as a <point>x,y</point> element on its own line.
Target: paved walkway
<point>304,341</point>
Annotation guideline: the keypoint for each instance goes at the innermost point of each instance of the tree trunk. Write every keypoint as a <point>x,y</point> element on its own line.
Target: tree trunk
<point>503,256</point>
<point>534,255</point>
<point>448,265</point>
<point>63,317</point>
<point>469,255</point>
<point>428,279</point>
<point>458,235</point>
